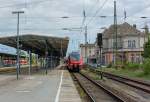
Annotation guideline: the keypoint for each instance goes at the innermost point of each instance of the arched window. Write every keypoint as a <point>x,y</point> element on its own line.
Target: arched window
<point>129,43</point>
<point>133,44</point>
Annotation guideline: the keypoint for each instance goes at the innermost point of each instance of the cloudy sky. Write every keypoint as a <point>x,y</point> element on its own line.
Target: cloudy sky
<point>45,17</point>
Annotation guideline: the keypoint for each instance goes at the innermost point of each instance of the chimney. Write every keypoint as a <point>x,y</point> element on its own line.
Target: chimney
<point>134,26</point>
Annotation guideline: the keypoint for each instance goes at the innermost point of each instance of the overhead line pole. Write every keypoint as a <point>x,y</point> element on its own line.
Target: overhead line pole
<point>18,45</point>
<point>46,56</point>
<point>86,44</point>
<point>115,33</point>
<point>61,51</point>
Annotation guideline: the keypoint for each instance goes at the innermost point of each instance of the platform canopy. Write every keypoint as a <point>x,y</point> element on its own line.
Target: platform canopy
<point>39,44</point>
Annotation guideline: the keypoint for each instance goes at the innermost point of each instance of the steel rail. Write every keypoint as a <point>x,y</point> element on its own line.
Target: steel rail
<point>130,79</point>
<point>118,98</point>
<point>84,89</point>
<point>138,84</point>
<point>134,83</point>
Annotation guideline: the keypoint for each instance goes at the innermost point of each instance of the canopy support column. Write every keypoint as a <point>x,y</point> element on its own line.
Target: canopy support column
<point>51,61</point>
<point>37,59</point>
<point>30,62</point>
<point>46,56</point>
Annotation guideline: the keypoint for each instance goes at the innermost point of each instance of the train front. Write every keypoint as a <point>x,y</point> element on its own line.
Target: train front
<point>75,62</point>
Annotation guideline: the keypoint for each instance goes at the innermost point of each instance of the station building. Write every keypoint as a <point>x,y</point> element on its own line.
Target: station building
<point>130,42</point>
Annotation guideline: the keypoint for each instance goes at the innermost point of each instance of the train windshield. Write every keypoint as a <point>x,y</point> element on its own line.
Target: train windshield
<point>75,56</point>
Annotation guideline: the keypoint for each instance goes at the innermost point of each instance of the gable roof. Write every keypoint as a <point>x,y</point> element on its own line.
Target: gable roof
<point>124,29</point>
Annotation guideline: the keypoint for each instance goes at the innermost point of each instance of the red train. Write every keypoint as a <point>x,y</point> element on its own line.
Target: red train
<point>13,62</point>
<point>74,62</point>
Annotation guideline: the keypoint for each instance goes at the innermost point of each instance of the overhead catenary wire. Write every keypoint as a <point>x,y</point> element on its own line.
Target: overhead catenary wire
<point>91,9</point>
<point>25,3</point>
<point>84,18</point>
<point>73,17</point>
<point>94,6</point>
<point>139,11</point>
<point>69,17</point>
<point>83,15</point>
<point>134,16</point>
<point>97,11</point>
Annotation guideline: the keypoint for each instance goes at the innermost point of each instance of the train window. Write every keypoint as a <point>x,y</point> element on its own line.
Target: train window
<point>75,56</point>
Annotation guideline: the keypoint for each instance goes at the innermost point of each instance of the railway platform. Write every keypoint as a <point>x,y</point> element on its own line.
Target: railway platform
<point>68,91</point>
<point>56,86</point>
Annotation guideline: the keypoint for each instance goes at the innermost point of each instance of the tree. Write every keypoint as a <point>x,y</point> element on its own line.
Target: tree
<point>146,53</point>
<point>33,58</point>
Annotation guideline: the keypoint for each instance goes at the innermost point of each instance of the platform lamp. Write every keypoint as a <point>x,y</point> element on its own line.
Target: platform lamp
<point>18,58</point>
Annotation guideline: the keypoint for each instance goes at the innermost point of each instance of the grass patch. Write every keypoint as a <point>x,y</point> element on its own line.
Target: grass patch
<point>91,74</point>
<point>139,73</point>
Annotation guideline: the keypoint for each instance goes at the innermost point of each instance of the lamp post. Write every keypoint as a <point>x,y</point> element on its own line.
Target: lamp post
<point>18,53</point>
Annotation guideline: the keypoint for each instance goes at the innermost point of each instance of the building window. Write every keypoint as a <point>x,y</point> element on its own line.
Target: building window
<point>90,51</point>
<point>131,44</point>
<point>138,58</point>
<point>114,44</point>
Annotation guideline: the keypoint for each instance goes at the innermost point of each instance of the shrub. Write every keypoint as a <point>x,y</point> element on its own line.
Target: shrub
<point>109,65</point>
<point>132,66</point>
<point>146,50</point>
<point>146,66</point>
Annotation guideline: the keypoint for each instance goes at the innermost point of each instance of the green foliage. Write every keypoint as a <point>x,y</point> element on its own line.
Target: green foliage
<point>132,66</point>
<point>146,66</point>
<point>146,53</point>
<point>109,65</point>
<point>119,62</point>
<point>33,60</point>
<point>23,54</point>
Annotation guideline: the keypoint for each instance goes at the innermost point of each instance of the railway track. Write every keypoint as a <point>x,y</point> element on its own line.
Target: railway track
<point>138,84</point>
<point>95,91</point>
<point>135,83</point>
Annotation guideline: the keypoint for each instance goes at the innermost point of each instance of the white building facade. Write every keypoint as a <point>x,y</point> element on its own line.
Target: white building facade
<point>87,51</point>
<point>130,42</point>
